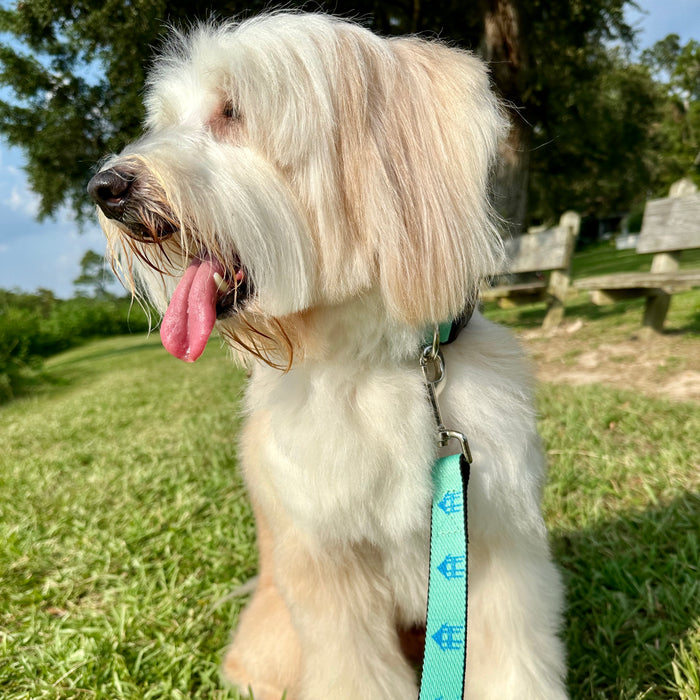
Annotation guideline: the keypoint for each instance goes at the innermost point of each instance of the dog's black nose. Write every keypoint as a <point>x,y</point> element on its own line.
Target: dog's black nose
<point>110,189</point>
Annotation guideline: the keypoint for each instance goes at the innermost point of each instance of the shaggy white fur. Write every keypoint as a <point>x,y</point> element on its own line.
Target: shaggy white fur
<point>320,194</point>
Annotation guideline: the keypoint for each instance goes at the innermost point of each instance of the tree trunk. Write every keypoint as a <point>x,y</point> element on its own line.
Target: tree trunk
<point>510,186</point>
<point>416,16</point>
<point>505,49</point>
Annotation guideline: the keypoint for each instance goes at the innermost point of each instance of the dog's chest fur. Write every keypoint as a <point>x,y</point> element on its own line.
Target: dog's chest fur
<point>349,448</point>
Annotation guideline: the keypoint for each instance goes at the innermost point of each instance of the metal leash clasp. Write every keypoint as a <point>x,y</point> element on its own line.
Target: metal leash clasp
<point>432,364</point>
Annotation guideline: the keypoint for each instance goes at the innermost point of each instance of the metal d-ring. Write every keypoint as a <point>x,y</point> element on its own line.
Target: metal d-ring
<point>448,435</point>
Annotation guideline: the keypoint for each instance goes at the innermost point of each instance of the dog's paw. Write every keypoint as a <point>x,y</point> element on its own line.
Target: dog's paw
<point>248,686</point>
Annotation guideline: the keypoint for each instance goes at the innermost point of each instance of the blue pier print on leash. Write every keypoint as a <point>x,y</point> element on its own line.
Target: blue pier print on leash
<point>453,567</point>
<point>445,639</point>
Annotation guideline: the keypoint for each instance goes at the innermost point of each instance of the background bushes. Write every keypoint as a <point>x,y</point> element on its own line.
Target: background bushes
<point>35,326</point>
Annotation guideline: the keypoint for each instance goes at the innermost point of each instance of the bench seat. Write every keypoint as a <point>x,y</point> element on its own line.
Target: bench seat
<point>536,288</point>
<point>669,282</point>
<point>670,226</point>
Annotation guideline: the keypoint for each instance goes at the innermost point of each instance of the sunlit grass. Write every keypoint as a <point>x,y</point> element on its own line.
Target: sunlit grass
<point>123,522</point>
<point>623,506</point>
<point>604,259</point>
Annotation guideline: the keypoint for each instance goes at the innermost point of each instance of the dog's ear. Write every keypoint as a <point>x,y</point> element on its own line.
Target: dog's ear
<point>423,187</point>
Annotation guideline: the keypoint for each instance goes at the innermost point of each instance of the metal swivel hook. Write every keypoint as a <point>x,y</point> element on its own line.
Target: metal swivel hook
<point>432,364</point>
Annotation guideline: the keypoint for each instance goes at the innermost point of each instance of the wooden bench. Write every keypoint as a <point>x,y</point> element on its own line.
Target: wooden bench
<point>669,226</point>
<point>537,267</point>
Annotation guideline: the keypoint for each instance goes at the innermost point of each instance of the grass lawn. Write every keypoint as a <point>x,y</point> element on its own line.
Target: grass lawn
<point>623,506</point>
<point>125,526</point>
<point>604,259</point>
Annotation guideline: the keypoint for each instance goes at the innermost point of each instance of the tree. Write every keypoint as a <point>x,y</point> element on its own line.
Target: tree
<point>677,131</point>
<point>679,65</point>
<point>92,280</point>
<point>79,77</point>
<point>78,88</point>
<point>602,160</point>
<point>548,60</point>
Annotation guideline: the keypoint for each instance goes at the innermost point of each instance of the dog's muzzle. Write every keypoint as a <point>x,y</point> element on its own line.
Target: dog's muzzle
<point>115,191</point>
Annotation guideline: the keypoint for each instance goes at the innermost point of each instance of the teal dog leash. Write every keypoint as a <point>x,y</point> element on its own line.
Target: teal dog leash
<point>444,657</point>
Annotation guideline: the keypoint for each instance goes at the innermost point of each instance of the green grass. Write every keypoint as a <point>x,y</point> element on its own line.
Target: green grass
<point>624,512</point>
<point>124,523</point>
<point>125,526</point>
<point>604,259</point>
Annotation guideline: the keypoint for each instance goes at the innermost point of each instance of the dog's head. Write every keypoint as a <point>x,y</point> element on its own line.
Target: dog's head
<point>295,161</point>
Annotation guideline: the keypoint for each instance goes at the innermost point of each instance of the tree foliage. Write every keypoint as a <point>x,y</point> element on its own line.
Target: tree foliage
<point>599,161</point>
<point>679,65</point>
<point>93,279</point>
<point>544,56</point>
<point>676,134</point>
<point>77,70</point>
<point>77,77</point>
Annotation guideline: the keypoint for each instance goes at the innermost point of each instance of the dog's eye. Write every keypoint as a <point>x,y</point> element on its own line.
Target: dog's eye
<point>229,111</point>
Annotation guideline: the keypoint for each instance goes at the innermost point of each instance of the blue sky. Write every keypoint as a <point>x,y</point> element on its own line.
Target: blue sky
<point>47,254</point>
<point>34,254</point>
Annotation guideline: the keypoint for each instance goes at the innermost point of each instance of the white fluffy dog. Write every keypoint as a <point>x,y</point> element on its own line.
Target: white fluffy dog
<point>320,195</point>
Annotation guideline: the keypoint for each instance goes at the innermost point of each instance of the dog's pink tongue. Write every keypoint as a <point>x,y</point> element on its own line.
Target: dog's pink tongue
<point>191,314</point>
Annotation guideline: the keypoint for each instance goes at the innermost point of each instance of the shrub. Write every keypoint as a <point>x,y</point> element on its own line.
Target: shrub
<point>35,326</point>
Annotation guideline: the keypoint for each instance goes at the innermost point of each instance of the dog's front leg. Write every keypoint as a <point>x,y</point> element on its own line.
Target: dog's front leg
<point>264,657</point>
<point>515,599</point>
<point>344,614</point>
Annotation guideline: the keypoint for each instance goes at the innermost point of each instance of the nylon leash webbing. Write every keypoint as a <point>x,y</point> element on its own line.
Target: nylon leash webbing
<point>444,656</point>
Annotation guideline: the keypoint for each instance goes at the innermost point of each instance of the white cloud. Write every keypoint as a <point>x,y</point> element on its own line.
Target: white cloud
<point>23,200</point>
<point>17,194</point>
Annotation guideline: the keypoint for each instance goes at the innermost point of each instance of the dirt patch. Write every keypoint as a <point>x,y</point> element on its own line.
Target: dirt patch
<point>666,366</point>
